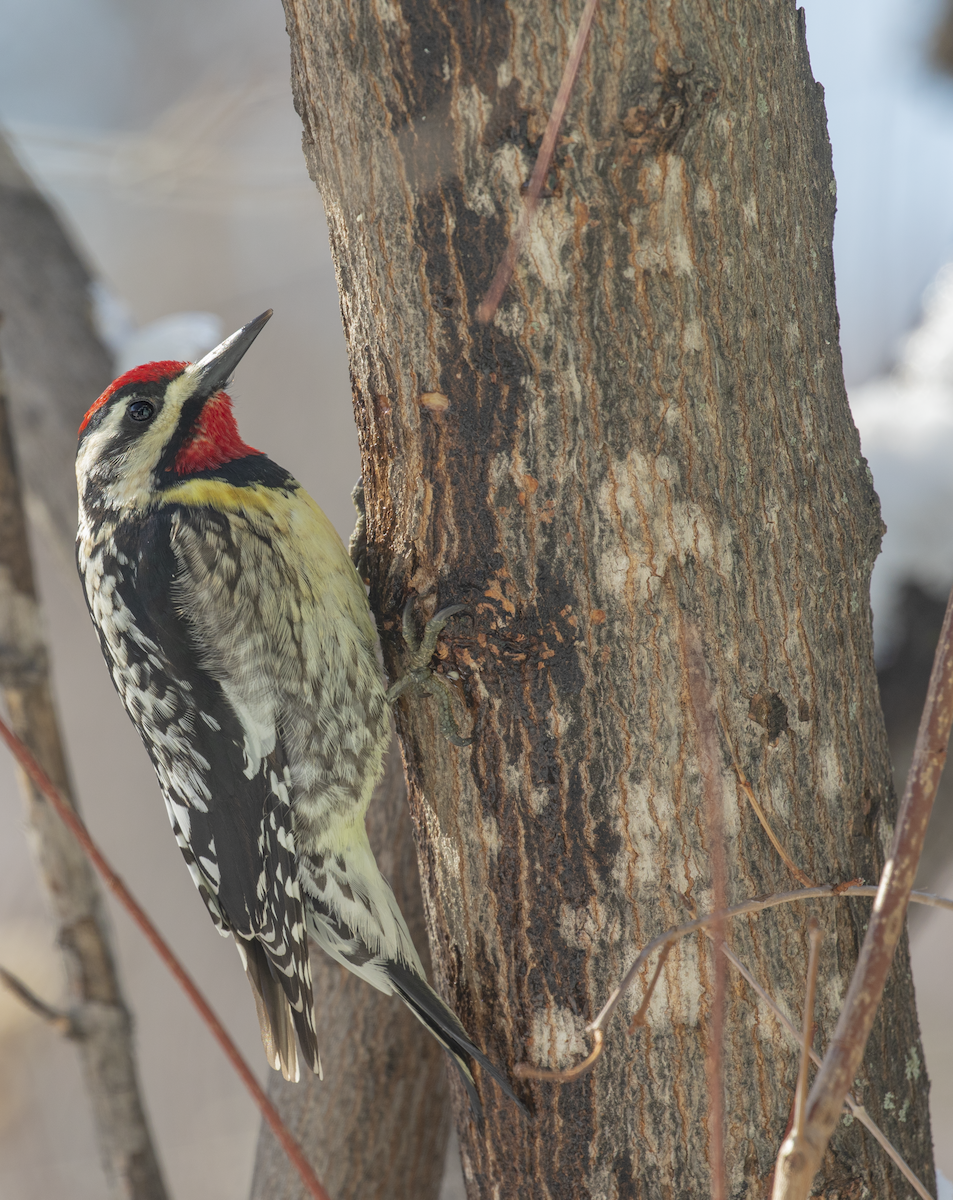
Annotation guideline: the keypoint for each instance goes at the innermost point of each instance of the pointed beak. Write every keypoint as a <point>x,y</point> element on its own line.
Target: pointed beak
<point>216,368</point>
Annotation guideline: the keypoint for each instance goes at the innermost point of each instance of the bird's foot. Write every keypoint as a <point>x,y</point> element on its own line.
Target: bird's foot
<point>419,677</point>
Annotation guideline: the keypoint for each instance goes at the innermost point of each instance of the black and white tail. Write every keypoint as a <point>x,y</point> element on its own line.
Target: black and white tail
<point>277,1019</point>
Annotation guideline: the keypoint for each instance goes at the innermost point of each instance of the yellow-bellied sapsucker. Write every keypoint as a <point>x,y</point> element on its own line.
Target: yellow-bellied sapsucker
<point>240,640</point>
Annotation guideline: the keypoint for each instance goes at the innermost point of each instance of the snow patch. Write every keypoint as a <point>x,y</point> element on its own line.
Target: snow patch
<point>905,421</point>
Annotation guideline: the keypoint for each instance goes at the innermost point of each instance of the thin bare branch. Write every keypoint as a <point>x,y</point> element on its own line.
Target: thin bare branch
<point>796,1168</point>
<point>762,817</point>
<point>665,941</point>
<point>72,821</point>
<point>851,1103</point>
<point>504,272</point>
<point>930,899</point>
<point>525,1071</point>
<point>61,1021</point>
<point>825,892</point>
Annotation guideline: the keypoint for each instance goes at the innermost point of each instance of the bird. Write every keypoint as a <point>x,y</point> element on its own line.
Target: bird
<point>239,637</point>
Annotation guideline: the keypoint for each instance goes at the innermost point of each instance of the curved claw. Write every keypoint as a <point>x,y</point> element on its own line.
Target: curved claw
<point>433,629</point>
<point>420,677</point>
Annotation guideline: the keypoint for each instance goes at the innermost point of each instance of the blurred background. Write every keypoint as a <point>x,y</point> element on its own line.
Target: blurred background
<point>166,139</point>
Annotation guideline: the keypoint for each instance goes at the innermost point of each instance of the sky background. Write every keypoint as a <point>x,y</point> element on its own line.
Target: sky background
<point>166,137</point>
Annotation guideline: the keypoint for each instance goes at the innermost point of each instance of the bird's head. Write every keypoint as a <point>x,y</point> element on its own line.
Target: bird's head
<point>159,423</point>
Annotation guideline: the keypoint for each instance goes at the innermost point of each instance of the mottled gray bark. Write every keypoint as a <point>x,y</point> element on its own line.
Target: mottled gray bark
<point>99,1019</point>
<point>654,425</point>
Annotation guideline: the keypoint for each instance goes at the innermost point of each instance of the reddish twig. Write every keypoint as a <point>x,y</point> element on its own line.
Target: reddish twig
<point>504,272</point>
<point>795,1171</point>
<point>639,1018</point>
<point>71,820</point>
<point>525,1071</point>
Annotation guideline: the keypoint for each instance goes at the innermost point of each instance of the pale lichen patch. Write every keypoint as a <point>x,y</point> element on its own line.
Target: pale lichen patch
<point>692,339</point>
<point>557,1038</point>
<point>642,830</point>
<point>538,799</point>
<point>672,218</point>
<point>544,242</point>
<point>613,571</point>
<point>491,834</point>
<point>579,927</point>
<point>829,771</point>
<point>386,12</point>
<point>705,198</point>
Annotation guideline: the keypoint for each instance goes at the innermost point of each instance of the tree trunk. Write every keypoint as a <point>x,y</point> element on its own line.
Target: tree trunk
<point>652,430</point>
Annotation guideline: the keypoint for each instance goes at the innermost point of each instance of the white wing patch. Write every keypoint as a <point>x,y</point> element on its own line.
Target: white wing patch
<point>210,867</point>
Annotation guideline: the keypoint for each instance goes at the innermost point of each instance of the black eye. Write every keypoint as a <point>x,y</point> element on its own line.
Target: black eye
<point>141,410</point>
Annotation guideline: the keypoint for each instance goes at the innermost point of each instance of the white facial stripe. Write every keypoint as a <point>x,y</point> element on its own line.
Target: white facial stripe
<point>95,444</point>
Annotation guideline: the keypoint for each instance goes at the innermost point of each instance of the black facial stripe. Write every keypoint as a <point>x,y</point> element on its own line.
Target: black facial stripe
<point>153,391</point>
<point>191,411</point>
<point>239,472</point>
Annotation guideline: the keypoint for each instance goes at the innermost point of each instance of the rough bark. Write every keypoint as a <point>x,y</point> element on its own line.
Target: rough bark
<point>99,1019</point>
<point>654,424</point>
<point>377,1125</point>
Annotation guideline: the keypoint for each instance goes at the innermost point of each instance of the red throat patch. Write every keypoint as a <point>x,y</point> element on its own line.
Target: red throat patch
<point>215,439</point>
<point>148,373</point>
